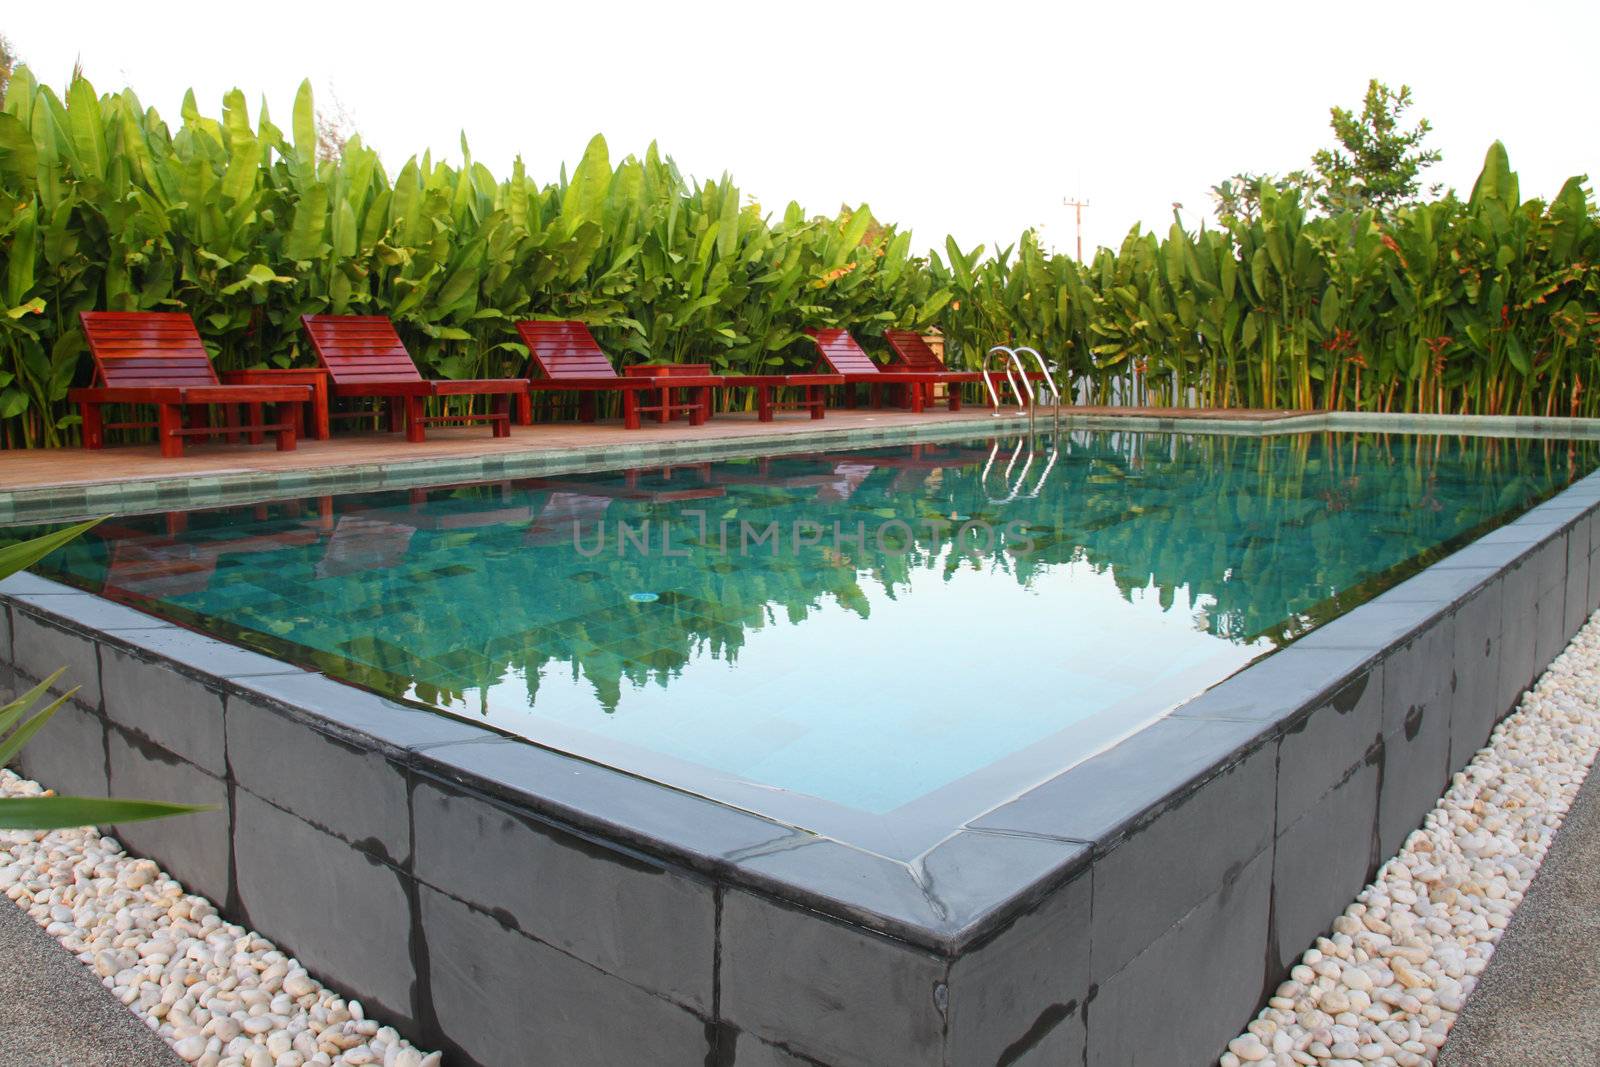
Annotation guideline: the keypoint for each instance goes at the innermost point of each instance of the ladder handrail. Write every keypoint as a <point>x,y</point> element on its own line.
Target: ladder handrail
<point>1044,369</point>
<point>994,395</point>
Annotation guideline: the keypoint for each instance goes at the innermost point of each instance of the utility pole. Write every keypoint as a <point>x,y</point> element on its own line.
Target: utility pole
<point>1077,207</point>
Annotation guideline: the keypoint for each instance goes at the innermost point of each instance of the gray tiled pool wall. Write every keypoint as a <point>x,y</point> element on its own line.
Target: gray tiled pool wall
<point>513,905</point>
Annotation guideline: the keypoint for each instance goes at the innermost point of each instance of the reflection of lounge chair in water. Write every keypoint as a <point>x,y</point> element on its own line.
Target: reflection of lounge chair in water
<point>363,543</point>
<point>847,478</point>
<point>141,564</point>
<point>567,517</point>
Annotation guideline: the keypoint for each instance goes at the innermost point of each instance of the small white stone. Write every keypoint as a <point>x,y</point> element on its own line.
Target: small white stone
<point>1248,1048</point>
<point>190,1048</point>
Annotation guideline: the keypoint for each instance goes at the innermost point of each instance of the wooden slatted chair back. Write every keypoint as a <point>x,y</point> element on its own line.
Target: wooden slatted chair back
<point>146,349</point>
<point>914,351</point>
<point>360,349</point>
<point>840,351</point>
<point>565,350</point>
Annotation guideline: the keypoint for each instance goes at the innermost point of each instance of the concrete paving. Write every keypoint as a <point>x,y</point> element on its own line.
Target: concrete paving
<point>55,1013</point>
<point>1538,1003</point>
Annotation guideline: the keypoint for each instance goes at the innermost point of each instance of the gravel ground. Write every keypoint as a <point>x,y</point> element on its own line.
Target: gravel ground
<point>1538,1003</point>
<point>1387,984</point>
<point>53,1012</point>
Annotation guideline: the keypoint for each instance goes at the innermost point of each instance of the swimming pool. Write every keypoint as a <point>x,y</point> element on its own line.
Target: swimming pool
<point>662,878</point>
<point>876,645</point>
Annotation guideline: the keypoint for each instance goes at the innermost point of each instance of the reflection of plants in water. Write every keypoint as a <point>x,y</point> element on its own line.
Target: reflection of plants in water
<point>437,595</point>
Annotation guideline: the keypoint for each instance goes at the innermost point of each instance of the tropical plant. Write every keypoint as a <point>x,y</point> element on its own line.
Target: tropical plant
<point>1377,164</point>
<point>1488,304</point>
<point>21,718</point>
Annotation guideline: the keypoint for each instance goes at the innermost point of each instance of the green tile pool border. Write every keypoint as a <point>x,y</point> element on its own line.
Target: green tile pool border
<point>60,503</point>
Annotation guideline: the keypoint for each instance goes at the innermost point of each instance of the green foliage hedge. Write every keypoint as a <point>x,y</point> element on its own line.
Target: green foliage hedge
<point>1486,305</point>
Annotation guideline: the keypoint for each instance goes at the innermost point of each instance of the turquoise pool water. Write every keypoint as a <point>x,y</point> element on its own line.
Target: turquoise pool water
<point>863,632</point>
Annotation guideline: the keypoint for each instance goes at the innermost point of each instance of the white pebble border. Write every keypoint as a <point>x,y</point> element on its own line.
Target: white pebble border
<point>1385,988</point>
<point>219,994</point>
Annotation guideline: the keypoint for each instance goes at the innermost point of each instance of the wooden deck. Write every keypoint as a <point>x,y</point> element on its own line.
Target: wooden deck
<point>38,468</point>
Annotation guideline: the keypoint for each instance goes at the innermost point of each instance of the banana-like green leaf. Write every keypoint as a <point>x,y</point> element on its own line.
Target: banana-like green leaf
<point>24,554</point>
<point>61,813</point>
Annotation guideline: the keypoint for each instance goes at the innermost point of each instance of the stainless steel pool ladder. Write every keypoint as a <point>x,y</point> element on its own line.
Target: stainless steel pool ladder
<point>1024,392</point>
<point>1015,488</point>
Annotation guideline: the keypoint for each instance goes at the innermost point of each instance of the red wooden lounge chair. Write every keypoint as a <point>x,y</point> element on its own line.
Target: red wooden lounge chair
<point>364,357</point>
<point>568,360</point>
<point>156,358</point>
<point>913,353</point>
<point>841,353</point>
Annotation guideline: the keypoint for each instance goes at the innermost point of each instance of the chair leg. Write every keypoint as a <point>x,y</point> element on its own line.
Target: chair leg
<point>916,398</point>
<point>169,420</point>
<point>500,408</point>
<point>293,426</point>
<point>257,418</point>
<point>94,434</point>
<point>815,400</point>
<point>763,403</point>
<point>702,404</point>
<point>953,392</point>
<point>415,431</point>
<point>630,409</point>
<point>586,407</point>
<point>524,409</point>
<point>195,415</point>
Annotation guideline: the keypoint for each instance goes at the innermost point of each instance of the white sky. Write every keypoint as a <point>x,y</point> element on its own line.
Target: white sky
<point>975,119</point>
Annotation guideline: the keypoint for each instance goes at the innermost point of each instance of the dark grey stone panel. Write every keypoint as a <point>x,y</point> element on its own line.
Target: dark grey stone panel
<point>1274,689</point>
<point>40,649</point>
<point>353,792</point>
<point>1020,998</point>
<point>1592,603</point>
<point>342,912</point>
<point>750,1051</point>
<point>1518,630</point>
<point>1417,674</point>
<point>1180,1001</point>
<point>1496,556</point>
<point>1153,877</point>
<point>972,874</point>
<point>603,800</point>
<point>192,848</point>
<point>68,753</point>
<point>25,583</point>
<point>502,998</point>
<point>365,717</point>
<point>5,633</point>
<point>618,910</point>
<point>1103,797</point>
<point>173,710</point>
<point>1376,625</point>
<point>950,897</point>
<point>1550,627</point>
<point>86,611</point>
<point>1445,586</point>
<point>1476,705</point>
<point>1416,768</point>
<point>1550,562</point>
<point>1321,861</point>
<point>202,657</point>
<point>1319,749</point>
<point>833,992</point>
